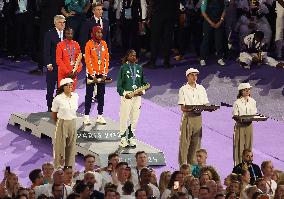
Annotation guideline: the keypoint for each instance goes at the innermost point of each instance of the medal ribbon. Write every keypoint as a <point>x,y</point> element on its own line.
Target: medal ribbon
<point>133,73</point>
<point>99,53</point>
<point>71,52</point>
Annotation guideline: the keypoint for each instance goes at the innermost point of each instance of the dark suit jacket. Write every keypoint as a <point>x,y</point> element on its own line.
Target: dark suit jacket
<point>165,8</point>
<point>86,30</point>
<point>51,40</point>
<point>254,171</point>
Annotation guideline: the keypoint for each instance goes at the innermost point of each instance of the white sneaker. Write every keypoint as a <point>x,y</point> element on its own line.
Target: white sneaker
<point>221,62</point>
<point>132,142</point>
<point>87,120</point>
<point>202,62</point>
<point>123,142</point>
<point>101,119</point>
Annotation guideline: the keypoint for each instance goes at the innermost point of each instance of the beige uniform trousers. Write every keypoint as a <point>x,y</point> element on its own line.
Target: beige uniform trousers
<point>129,112</point>
<point>190,137</point>
<point>64,142</point>
<point>243,139</point>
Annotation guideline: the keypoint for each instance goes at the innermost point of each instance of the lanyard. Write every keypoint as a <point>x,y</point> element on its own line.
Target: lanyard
<point>133,75</point>
<point>70,52</point>
<point>270,192</point>
<point>138,175</point>
<point>64,189</point>
<point>99,53</point>
<point>253,172</point>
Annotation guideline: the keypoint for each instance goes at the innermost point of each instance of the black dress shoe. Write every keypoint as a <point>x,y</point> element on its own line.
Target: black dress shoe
<point>36,72</point>
<point>149,64</point>
<point>17,59</point>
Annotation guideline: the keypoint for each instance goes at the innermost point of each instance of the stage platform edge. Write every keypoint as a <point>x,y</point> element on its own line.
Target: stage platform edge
<point>99,140</point>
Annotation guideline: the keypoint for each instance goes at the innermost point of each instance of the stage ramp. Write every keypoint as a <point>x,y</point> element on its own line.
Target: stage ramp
<point>99,140</point>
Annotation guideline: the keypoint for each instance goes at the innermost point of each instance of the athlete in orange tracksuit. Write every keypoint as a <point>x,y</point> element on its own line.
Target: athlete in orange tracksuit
<point>97,62</point>
<point>67,52</point>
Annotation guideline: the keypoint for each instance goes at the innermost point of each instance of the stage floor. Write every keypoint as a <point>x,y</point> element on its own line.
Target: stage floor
<point>160,116</point>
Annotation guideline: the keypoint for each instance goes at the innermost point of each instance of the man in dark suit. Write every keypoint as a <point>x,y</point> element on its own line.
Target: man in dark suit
<point>47,10</point>
<point>132,17</point>
<point>96,20</point>
<point>6,26</point>
<point>254,169</point>
<point>164,15</point>
<point>52,38</point>
<point>23,11</point>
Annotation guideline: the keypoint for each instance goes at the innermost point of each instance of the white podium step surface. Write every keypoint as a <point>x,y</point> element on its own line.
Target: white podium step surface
<point>99,140</point>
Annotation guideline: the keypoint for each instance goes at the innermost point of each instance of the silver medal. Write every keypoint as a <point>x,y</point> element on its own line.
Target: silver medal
<point>134,87</point>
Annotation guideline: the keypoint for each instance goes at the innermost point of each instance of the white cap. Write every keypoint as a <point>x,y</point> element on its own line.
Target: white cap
<point>66,81</point>
<point>243,86</point>
<point>191,70</point>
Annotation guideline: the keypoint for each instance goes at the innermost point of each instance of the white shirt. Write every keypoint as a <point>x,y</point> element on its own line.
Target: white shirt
<point>156,191</point>
<point>100,21</point>
<point>98,177</point>
<point>251,43</point>
<point>60,34</point>
<point>119,188</point>
<point>22,6</point>
<point>65,107</point>
<point>118,6</point>
<point>271,185</point>
<point>244,107</point>
<point>46,189</point>
<point>134,175</point>
<point>192,96</point>
<point>106,177</point>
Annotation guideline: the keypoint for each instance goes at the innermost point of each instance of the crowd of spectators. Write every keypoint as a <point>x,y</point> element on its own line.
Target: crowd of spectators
<point>120,180</point>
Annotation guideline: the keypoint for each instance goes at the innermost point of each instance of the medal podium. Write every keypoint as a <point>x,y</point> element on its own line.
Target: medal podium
<point>99,140</point>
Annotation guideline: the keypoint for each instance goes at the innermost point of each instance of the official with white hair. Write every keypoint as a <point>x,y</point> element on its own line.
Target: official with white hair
<point>243,131</point>
<point>64,107</point>
<point>191,123</point>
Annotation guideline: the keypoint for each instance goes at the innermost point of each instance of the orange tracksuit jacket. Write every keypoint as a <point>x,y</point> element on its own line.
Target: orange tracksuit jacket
<point>91,58</point>
<point>63,59</point>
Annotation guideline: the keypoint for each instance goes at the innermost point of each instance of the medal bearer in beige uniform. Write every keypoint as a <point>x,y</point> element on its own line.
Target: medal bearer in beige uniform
<point>64,107</point>
<point>243,133</point>
<point>191,123</point>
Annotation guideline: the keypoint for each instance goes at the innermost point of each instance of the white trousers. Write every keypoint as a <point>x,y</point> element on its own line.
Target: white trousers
<point>279,28</point>
<point>129,113</point>
<point>247,58</point>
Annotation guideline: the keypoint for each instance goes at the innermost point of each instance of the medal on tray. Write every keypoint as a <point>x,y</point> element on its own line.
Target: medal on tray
<point>134,87</point>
